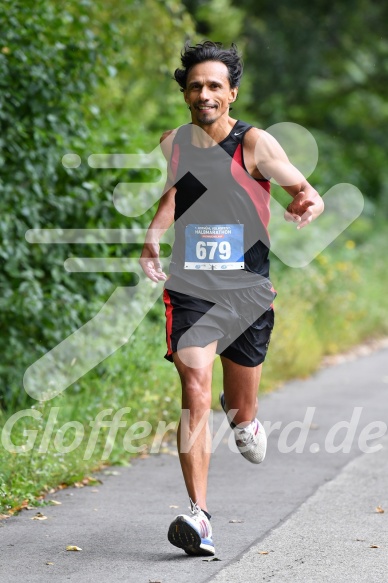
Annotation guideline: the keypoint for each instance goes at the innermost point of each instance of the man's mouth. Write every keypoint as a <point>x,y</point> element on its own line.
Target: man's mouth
<point>205,107</point>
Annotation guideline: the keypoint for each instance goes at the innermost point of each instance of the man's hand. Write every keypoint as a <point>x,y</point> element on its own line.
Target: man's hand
<point>303,210</point>
<point>150,262</point>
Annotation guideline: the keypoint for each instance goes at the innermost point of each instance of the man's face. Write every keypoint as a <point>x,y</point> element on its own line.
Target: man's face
<point>208,92</point>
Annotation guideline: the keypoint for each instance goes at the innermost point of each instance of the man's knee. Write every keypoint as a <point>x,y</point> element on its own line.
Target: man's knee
<point>196,391</point>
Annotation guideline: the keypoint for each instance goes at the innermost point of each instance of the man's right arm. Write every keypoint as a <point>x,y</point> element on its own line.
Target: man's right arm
<point>163,219</point>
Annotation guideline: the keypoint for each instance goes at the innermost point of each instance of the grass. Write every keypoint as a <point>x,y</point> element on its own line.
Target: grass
<point>334,303</point>
<point>135,382</point>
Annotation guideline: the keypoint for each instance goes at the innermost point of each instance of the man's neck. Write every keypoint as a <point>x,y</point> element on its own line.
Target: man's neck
<point>215,132</point>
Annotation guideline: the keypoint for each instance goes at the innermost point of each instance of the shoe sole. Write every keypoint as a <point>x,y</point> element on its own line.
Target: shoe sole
<point>183,536</point>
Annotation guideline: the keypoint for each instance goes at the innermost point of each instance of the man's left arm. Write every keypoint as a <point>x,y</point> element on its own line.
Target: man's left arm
<point>272,162</point>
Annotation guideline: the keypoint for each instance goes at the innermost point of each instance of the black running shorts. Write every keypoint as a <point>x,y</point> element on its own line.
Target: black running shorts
<point>240,320</point>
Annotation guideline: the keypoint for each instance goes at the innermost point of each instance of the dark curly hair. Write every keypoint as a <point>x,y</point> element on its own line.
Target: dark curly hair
<point>210,51</point>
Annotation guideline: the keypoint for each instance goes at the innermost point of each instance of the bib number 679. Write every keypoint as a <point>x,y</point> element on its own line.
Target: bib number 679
<point>207,250</point>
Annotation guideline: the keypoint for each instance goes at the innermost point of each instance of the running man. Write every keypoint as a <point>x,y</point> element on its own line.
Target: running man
<point>218,295</point>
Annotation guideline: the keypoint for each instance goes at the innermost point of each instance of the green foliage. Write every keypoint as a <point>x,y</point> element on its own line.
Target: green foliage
<point>325,67</point>
<point>219,19</point>
<point>127,380</point>
<point>58,70</point>
<point>139,99</point>
<point>49,59</point>
<point>337,301</point>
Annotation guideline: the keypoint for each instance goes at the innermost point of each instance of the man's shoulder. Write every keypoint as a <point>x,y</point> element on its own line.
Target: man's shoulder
<point>253,134</point>
<point>261,142</point>
<point>166,141</point>
<point>167,133</point>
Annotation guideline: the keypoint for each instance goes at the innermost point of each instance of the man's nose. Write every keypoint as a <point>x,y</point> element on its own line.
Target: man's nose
<point>204,94</point>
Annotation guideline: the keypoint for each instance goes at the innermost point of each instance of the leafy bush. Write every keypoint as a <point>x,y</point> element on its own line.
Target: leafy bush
<point>50,58</point>
<point>71,77</point>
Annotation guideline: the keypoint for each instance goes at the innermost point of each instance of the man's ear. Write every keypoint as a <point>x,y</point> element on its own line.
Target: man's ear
<point>186,99</point>
<point>233,94</point>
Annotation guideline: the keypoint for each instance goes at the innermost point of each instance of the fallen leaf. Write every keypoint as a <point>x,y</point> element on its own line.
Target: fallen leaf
<point>73,548</point>
<point>374,547</point>
<point>87,481</point>
<point>111,473</point>
<point>49,563</point>
<point>263,552</point>
<point>360,539</point>
<point>55,502</point>
<point>211,559</point>
<point>39,516</point>
<point>154,581</point>
<point>91,480</point>
<point>235,521</point>
<point>379,510</point>
<point>173,506</point>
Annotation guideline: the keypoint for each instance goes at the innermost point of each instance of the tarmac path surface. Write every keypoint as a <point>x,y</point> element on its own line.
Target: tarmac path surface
<point>307,515</point>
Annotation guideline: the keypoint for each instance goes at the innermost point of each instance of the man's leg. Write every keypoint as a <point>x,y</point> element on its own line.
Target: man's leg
<point>193,533</point>
<point>240,389</point>
<point>194,439</point>
<point>241,384</point>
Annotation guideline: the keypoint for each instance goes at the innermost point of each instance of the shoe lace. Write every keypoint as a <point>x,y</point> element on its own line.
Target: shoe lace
<point>246,435</point>
<point>194,508</point>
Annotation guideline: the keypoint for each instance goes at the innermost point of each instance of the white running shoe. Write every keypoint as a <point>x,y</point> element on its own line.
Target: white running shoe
<point>251,441</point>
<point>192,533</point>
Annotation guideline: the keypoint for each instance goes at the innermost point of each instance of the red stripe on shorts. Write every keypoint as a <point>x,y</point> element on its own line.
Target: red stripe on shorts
<point>169,308</point>
<point>273,290</point>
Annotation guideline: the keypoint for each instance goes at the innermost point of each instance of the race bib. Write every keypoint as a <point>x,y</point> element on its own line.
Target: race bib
<point>214,247</point>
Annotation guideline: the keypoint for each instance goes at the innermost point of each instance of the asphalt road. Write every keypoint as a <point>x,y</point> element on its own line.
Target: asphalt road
<point>312,510</point>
